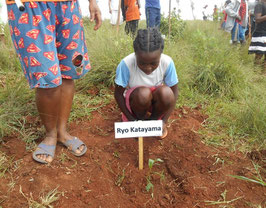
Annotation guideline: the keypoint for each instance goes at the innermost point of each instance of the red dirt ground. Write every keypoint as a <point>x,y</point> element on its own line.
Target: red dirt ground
<point>108,176</point>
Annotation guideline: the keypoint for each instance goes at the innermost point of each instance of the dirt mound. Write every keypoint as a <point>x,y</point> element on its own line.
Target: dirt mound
<point>192,174</point>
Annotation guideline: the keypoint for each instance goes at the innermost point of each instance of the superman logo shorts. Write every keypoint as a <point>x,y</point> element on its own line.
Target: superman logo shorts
<point>50,42</point>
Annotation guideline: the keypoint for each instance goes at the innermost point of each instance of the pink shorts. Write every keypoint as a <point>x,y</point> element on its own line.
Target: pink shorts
<point>127,96</point>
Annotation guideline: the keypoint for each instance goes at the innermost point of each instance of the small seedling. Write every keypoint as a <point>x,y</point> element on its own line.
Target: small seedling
<point>149,185</point>
<point>120,178</point>
<point>116,154</point>
<point>224,201</point>
<point>63,157</point>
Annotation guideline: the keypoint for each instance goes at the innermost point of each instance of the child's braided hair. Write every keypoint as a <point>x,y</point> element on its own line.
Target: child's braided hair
<point>148,40</point>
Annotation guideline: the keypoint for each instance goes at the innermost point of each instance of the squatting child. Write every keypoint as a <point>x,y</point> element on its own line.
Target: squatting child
<point>146,80</point>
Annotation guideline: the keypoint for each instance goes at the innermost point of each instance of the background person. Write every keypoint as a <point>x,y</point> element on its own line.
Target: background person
<point>258,41</point>
<point>49,40</point>
<point>237,19</point>
<point>146,81</point>
<point>113,10</point>
<point>153,13</point>
<point>132,10</point>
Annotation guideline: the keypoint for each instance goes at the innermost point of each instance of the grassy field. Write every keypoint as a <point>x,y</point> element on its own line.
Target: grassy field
<point>212,74</point>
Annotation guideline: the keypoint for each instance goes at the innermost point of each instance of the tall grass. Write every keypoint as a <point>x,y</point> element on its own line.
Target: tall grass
<point>212,73</point>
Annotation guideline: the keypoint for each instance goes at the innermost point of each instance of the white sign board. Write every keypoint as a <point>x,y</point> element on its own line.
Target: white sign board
<point>138,129</point>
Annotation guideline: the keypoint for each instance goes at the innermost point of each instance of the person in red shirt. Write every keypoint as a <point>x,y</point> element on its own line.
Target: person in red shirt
<point>132,8</point>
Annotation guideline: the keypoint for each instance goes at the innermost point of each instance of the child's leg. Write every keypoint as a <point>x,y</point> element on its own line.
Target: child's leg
<point>163,103</point>
<point>47,101</point>
<point>66,99</point>
<point>257,58</point>
<point>140,102</point>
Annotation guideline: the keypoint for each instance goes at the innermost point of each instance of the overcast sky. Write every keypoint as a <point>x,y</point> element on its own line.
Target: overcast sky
<point>185,7</point>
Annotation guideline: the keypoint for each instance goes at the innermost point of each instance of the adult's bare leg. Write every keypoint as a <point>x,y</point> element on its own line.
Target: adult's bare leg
<point>47,101</point>
<point>66,100</point>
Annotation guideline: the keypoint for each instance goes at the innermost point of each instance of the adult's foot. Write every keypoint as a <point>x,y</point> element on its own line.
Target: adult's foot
<point>44,153</point>
<point>75,145</point>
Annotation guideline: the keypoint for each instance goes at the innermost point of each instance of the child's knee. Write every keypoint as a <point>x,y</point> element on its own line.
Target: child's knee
<point>142,96</point>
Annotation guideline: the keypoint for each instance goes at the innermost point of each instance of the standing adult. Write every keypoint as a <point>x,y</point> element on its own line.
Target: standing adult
<point>132,10</point>
<point>215,13</point>
<point>237,20</point>
<point>50,42</point>
<point>114,11</point>
<point>153,13</point>
<point>258,41</point>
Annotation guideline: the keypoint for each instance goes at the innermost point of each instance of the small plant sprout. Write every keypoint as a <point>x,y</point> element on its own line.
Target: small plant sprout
<point>256,179</point>
<point>45,199</point>
<point>224,201</point>
<point>149,185</point>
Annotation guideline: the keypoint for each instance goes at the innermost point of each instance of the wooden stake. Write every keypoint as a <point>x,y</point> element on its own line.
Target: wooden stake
<point>140,153</point>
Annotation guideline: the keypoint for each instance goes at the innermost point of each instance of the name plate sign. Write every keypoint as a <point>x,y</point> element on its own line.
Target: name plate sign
<point>138,129</point>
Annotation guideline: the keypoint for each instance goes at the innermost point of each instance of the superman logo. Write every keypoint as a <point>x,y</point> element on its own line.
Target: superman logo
<point>39,75</point>
<point>72,45</point>
<point>33,5</point>
<point>33,34</point>
<point>61,56</point>
<point>56,80</point>
<point>49,55</point>
<point>16,31</point>
<point>64,7</point>
<point>51,28</point>
<point>48,39</point>
<point>76,35</point>
<point>24,19</point>
<point>56,20</point>
<point>64,68</point>
<point>21,43</point>
<point>55,4</point>
<point>11,15</point>
<point>81,23</point>
<point>66,33</point>
<point>75,19</point>
<point>72,6</point>
<point>26,61</point>
<point>82,35</point>
<point>32,48</point>
<point>54,69</point>
<point>66,21</point>
<point>36,20</point>
<point>47,14</point>
<point>58,44</point>
<point>86,57</point>
<point>88,66</point>
<point>66,77</point>
<point>34,62</point>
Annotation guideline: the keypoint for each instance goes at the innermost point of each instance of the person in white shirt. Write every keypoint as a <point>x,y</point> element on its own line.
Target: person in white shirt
<point>114,10</point>
<point>146,81</point>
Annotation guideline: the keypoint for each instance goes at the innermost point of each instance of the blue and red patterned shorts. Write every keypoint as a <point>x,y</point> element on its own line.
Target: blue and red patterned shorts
<point>50,42</point>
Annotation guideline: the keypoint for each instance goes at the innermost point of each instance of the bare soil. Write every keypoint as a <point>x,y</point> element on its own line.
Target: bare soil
<point>192,174</point>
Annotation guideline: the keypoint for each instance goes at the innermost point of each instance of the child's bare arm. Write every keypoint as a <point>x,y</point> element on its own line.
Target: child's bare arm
<point>122,103</point>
